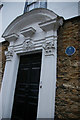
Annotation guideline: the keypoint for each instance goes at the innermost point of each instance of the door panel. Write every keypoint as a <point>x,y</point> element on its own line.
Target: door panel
<point>27,88</point>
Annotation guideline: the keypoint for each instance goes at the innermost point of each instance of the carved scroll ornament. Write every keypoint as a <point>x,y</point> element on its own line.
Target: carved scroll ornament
<point>28,45</point>
<point>49,48</point>
<point>9,55</point>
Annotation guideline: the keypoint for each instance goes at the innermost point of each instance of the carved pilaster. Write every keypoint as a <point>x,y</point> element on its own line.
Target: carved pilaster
<point>49,48</point>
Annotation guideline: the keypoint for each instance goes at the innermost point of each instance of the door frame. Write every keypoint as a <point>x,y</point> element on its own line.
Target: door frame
<point>37,52</point>
<point>35,35</point>
<point>46,111</point>
<point>48,60</point>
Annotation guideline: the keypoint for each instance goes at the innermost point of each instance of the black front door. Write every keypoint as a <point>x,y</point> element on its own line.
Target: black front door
<point>27,88</point>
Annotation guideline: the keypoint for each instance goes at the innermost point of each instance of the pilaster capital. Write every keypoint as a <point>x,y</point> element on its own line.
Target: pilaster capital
<point>9,54</point>
<point>49,47</point>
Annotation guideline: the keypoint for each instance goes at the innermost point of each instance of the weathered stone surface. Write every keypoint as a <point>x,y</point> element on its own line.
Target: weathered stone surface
<point>67,104</point>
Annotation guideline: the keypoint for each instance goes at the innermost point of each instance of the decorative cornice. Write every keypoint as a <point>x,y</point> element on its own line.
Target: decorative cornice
<point>52,24</point>
<point>51,38</point>
<point>49,48</point>
<point>27,32</point>
<point>48,25</point>
<point>11,37</point>
<point>35,16</point>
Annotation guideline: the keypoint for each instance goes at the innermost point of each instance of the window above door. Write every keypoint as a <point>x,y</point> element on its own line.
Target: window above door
<point>32,4</point>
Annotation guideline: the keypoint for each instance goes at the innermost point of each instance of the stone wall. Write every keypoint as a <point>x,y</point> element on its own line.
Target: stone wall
<point>3,48</point>
<point>68,71</point>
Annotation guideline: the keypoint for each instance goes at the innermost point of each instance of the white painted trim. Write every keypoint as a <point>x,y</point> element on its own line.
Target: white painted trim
<point>51,24</point>
<point>11,37</point>
<point>36,15</point>
<point>8,86</point>
<point>38,40</point>
<point>27,31</point>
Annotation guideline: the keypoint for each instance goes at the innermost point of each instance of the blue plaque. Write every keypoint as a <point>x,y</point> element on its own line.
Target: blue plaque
<point>70,50</point>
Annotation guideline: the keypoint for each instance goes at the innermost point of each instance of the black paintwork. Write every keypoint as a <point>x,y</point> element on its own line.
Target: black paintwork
<point>27,88</point>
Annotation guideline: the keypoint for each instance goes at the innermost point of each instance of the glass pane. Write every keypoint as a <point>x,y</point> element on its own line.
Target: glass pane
<point>43,4</point>
<point>30,1</point>
<point>31,7</point>
<point>36,5</point>
<point>25,8</point>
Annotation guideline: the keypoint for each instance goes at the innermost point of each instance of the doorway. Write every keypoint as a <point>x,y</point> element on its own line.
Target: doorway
<point>27,88</point>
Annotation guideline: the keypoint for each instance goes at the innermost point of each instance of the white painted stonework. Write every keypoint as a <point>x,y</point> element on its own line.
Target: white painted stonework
<point>33,32</point>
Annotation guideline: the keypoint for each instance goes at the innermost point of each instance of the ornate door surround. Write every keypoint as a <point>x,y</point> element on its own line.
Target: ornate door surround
<point>33,32</point>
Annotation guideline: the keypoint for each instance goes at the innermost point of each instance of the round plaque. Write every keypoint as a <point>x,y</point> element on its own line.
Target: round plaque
<point>70,50</point>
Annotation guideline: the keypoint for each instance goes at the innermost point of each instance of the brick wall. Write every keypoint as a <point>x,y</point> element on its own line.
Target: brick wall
<point>3,48</point>
<point>68,71</point>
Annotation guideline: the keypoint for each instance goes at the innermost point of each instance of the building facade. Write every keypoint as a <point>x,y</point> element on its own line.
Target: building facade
<point>47,35</point>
